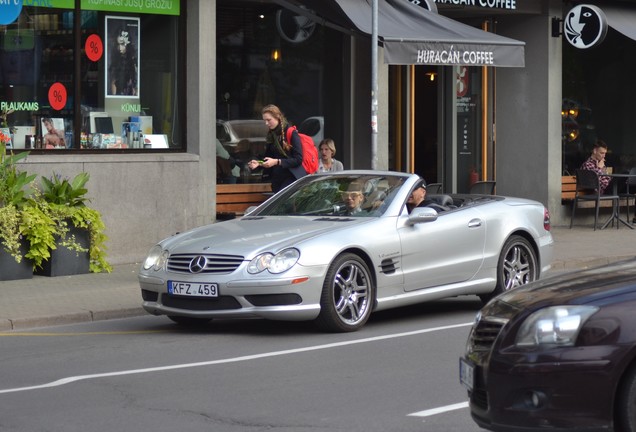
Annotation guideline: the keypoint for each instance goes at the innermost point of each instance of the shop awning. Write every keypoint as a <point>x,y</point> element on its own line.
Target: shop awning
<point>412,35</point>
<point>621,19</point>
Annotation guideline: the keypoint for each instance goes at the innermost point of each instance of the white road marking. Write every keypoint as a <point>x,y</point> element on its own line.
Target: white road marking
<point>440,410</point>
<point>72,379</point>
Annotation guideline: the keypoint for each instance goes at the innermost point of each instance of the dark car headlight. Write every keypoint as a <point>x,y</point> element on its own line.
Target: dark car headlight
<point>156,259</point>
<point>556,325</point>
<point>282,261</point>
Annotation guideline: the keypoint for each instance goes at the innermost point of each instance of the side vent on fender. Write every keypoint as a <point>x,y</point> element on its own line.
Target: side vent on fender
<point>388,266</point>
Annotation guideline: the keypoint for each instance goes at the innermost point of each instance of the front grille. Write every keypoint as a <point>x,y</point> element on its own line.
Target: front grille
<point>200,304</point>
<point>479,397</point>
<point>485,334</point>
<point>214,263</point>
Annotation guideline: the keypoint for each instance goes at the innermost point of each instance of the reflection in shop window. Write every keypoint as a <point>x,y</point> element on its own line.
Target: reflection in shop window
<point>127,95</point>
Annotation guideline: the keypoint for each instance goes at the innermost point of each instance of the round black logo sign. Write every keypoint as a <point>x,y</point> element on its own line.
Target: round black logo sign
<point>585,26</point>
<point>426,4</point>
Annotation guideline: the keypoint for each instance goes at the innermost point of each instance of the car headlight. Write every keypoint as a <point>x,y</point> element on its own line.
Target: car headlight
<point>556,325</point>
<point>157,258</point>
<point>278,263</point>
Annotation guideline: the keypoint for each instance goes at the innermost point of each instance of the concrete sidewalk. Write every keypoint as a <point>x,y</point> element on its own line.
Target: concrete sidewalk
<point>46,301</point>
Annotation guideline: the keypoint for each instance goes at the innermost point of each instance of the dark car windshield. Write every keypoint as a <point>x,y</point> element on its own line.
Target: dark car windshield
<point>336,195</point>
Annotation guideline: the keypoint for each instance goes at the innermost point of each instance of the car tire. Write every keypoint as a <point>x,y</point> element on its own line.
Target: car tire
<point>189,321</point>
<point>517,266</point>
<point>347,295</point>
<point>626,403</point>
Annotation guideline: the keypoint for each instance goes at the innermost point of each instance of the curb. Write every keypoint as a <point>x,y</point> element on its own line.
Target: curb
<point>586,263</point>
<point>71,318</point>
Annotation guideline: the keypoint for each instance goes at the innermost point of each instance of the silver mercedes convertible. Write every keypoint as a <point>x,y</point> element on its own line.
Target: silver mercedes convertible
<point>334,247</point>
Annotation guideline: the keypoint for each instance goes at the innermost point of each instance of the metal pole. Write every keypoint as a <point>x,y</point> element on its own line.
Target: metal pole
<point>374,85</point>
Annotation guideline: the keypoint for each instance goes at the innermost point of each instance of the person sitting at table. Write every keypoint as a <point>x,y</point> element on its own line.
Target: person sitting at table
<point>596,163</point>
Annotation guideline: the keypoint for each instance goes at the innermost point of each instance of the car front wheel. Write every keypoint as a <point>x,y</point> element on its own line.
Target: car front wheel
<point>517,266</point>
<point>347,295</point>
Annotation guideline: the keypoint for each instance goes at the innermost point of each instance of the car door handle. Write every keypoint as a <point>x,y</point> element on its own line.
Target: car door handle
<point>474,223</point>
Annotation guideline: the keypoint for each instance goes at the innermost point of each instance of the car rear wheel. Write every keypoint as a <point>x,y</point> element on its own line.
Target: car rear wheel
<point>517,266</point>
<point>189,321</point>
<point>626,404</point>
<point>347,295</point>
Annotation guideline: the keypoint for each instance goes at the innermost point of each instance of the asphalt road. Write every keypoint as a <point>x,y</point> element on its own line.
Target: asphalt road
<point>399,373</point>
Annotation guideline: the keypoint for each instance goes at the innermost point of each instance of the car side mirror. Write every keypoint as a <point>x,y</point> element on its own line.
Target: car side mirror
<point>422,214</point>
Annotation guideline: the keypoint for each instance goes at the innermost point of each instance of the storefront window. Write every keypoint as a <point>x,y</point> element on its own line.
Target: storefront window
<point>267,54</point>
<point>117,91</point>
<point>598,102</point>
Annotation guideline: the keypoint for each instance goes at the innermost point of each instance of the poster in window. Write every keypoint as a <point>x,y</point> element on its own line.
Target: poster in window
<point>53,135</point>
<point>122,57</point>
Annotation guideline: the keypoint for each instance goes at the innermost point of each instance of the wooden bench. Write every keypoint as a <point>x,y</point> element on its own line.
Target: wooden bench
<point>233,199</point>
<point>568,188</point>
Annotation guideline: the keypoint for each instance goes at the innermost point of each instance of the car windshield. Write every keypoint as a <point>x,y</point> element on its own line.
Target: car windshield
<point>336,195</point>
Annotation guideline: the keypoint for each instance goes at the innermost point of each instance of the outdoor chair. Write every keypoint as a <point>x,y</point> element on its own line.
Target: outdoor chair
<point>588,189</point>
<point>435,188</point>
<point>630,192</point>
<point>483,187</point>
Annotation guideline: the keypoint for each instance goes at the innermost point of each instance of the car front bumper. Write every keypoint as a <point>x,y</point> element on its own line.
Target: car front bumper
<point>568,392</point>
<point>276,298</point>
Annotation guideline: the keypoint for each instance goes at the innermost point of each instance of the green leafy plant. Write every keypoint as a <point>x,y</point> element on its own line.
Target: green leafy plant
<point>40,227</point>
<point>10,231</point>
<point>42,216</point>
<point>15,201</point>
<point>67,203</point>
<point>58,190</point>
<point>14,184</point>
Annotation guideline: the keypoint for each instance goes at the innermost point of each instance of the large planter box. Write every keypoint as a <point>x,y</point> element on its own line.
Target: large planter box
<point>65,262</point>
<point>12,270</point>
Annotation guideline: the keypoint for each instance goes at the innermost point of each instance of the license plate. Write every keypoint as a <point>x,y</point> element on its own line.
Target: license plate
<point>466,374</point>
<point>193,289</point>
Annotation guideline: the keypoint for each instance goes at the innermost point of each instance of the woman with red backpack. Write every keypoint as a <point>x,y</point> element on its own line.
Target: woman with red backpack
<point>283,158</point>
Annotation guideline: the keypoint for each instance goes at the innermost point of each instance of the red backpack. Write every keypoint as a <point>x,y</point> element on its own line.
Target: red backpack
<point>310,154</point>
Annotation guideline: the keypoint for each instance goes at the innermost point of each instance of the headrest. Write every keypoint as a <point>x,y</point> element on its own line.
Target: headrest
<point>444,200</point>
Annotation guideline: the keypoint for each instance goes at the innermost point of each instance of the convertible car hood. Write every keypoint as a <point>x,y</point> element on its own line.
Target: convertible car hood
<point>579,287</point>
<point>250,235</point>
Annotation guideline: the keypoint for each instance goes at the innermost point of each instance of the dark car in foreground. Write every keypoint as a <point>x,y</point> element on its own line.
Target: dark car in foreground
<point>558,354</point>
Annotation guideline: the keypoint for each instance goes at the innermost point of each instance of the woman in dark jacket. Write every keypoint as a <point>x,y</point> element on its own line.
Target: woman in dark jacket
<point>283,160</point>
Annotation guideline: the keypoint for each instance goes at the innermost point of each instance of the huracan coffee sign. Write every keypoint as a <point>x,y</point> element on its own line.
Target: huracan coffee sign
<point>452,54</point>
<point>493,4</point>
<point>454,57</point>
<point>585,26</point>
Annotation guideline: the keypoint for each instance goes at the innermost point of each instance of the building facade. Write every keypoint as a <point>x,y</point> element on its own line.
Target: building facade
<point>141,91</point>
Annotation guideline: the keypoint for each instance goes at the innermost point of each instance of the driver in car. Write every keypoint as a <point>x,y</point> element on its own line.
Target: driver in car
<point>353,199</point>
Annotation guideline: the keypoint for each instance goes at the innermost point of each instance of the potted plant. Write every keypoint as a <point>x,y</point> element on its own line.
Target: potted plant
<point>80,234</point>
<point>14,203</point>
